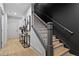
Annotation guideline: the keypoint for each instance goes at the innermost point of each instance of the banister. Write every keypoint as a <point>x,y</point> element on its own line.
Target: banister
<point>40,20</point>
<point>48,46</point>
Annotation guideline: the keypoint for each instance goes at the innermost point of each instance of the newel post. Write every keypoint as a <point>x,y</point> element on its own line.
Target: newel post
<point>49,40</point>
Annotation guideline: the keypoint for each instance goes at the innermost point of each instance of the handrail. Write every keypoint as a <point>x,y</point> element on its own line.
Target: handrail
<point>40,20</point>
<point>62,26</point>
<point>58,23</point>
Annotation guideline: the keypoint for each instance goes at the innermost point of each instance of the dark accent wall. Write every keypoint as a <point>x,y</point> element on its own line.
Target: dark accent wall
<point>67,14</point>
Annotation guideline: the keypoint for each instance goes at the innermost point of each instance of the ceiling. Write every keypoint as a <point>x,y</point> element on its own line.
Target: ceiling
<point>16,9</point>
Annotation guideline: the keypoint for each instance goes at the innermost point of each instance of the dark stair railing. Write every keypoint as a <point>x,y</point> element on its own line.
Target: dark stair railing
<point>36,28</point>
<point>47,43</point>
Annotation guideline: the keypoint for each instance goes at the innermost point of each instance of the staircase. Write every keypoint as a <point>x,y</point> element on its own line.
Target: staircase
<point>58,48</point>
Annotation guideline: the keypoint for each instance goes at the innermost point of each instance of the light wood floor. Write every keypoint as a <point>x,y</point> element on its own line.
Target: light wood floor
<point>14,48</point>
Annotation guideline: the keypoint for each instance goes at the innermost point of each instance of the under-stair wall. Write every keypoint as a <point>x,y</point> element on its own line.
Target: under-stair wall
<point>36,44</point>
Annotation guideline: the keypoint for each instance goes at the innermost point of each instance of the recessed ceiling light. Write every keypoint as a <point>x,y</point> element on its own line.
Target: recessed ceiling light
<point>15,13</point>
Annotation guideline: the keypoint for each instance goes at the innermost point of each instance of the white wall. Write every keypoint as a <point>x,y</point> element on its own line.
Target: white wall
<point>26,15</point>
<point>36,44</point>
<point>4,30</point>
<point>13,26</point>
<point>0,31</point>
<point>4,26</point>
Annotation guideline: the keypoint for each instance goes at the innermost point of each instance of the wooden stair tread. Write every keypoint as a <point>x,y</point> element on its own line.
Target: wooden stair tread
<point>53,36</point>
<point>60,51</point>
<point>69,54</point>
<point>55,40</point>
<point>55,46</point>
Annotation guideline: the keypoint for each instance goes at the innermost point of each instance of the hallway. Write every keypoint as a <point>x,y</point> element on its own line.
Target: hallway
<point>25,25</point>
<point>14,48</point>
